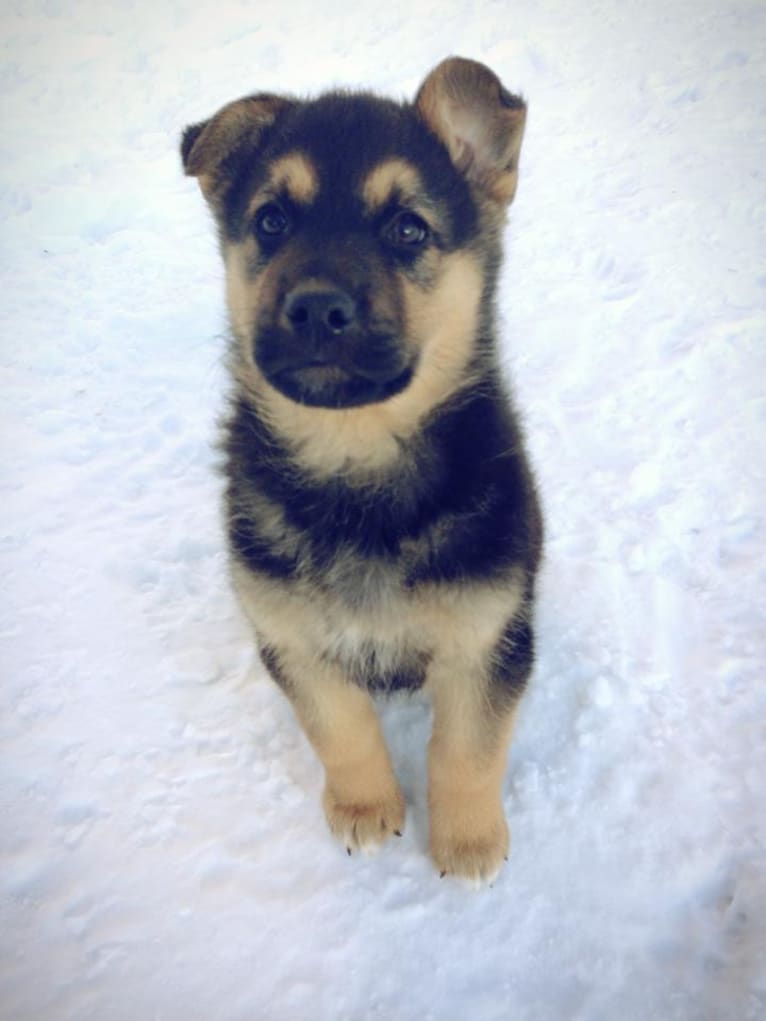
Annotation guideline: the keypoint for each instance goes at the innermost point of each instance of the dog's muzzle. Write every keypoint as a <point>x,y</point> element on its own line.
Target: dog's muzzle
<point>322,354</point>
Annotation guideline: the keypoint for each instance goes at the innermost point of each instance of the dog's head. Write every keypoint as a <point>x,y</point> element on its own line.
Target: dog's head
<point>357,233</point>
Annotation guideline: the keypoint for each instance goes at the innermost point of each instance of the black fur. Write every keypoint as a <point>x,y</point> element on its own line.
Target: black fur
<point>512,660</point>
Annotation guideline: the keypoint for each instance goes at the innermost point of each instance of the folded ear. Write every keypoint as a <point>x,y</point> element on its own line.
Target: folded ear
<point>206,148</point>
<point>480,122</point>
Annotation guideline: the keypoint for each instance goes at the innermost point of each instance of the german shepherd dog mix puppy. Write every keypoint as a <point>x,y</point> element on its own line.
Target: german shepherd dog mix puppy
<point>382,517</point>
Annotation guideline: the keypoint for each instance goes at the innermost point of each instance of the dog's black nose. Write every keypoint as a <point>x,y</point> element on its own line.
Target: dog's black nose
<point>331,311</point>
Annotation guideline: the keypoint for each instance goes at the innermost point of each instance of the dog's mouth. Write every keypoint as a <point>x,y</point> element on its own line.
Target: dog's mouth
<point>323,385</point>
<point>319,374</point>
<point>359,368</point>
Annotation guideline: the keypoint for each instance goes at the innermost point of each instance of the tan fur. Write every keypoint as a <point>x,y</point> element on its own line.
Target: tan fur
<point>242,293</point>
<point>295,174</point>
<point>459,624</point>
<point>390,176</point>
<point>467,758</point>
<point>469,744</point>
<point>362,799</point>
<point>458,627</point>
<point>441,322</point>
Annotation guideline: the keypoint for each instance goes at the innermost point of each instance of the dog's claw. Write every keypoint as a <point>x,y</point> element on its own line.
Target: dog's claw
<point>397,833</point>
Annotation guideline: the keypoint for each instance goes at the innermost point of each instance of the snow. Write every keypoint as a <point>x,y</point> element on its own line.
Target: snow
<point>163,853</point>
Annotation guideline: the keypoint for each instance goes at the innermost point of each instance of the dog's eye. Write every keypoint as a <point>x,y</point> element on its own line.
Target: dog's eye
<point>271,222</point>
<point>408,230</point>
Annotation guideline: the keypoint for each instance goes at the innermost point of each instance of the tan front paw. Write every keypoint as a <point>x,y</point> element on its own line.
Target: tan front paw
<point>362,824</point>
<point>460,848</point>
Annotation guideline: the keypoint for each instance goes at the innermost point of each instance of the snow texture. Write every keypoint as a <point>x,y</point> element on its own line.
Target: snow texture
<point>163,853</point>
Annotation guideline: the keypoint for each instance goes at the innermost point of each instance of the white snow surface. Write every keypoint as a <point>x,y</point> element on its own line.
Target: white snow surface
<point>163,853</point>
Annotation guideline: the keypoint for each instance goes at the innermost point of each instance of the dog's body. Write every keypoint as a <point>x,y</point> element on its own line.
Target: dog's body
<point>383,522</point>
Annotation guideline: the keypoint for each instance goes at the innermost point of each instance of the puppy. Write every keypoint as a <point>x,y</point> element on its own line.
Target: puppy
<point>382,517</point>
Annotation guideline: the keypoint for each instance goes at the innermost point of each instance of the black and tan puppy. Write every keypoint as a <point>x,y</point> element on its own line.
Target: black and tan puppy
<point>383,522</point>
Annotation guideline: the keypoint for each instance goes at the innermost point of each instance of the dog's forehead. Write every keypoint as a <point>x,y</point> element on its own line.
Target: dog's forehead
<point>303,179</point>
<point>355,146</point>
<point>349,157</point>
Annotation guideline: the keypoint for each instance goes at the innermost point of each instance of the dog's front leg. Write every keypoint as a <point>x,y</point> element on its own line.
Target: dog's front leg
<point>474,707</point>
<point>468,831</point>
<point>362,799</point>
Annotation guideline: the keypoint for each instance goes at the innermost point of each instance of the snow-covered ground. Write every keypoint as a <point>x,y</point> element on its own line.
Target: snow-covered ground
<point>163,853</point>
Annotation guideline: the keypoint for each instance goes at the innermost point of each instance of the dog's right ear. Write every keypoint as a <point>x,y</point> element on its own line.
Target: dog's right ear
<point>207,147</point>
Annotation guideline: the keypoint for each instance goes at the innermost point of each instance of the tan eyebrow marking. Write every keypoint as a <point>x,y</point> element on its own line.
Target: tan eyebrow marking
<point>393,175</point>
<point>293,173</point>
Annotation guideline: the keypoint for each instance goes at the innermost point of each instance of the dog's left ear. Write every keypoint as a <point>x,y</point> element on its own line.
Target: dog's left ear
<point>480,122</point>
<point>208,148</point>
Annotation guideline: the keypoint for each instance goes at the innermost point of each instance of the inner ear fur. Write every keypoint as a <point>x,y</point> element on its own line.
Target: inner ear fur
<point>480,122</point>
<point>205,147</point>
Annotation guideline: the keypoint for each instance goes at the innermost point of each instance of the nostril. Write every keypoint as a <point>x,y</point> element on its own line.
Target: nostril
<point>337,319</point>
<point>297,310</point>
<point>298,314</point>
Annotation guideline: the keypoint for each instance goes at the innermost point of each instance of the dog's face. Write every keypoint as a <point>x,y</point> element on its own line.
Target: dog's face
<point>356,232</point>
<point>337,248</point>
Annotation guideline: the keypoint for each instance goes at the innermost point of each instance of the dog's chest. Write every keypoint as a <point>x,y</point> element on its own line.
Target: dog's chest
<point>367,625</point>
<point>365,584</point>
<point>357,611</point>
<point>343,590</point>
